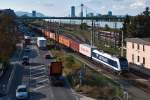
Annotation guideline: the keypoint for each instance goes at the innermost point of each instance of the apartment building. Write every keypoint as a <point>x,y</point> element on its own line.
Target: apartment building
<point>138,51</point>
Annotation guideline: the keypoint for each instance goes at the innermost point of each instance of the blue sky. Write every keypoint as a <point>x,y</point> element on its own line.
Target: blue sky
<point>62,7</point>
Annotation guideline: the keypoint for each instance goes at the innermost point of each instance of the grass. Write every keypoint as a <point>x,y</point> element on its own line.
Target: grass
<point>99,86</point>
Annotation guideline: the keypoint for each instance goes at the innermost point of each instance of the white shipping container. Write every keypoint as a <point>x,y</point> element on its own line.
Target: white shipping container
<point>41,42</point>
<point>86,49</point>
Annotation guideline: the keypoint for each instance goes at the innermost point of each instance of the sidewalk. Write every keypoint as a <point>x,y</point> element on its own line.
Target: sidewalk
<point>82,97</point>
<point>6,78</point>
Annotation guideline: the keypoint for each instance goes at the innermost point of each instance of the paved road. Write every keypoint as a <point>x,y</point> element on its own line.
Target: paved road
<point>36,77</point>
<point>17,76</point>
<point>43,90</point>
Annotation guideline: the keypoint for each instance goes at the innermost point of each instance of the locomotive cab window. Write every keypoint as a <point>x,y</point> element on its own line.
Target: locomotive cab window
<point>123,62</point>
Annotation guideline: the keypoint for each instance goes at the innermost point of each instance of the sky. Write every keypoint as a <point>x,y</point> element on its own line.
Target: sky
<point>63,7</point>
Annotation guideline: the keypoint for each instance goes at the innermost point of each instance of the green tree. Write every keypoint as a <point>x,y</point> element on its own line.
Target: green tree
<point>125,25</point>
<point>7,36</point>
<point>107,28</point>
<point>83,26</point>
<point>146,12</point>
<point>137,26</point>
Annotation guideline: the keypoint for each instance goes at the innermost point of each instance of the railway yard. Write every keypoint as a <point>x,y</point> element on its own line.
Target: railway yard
<point>130,82</point>
<point>75,50</point>
<point>86,70</point>
<point>125,80</point>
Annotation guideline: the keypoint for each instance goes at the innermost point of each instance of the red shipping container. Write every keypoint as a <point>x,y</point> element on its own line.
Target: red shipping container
<point>48,34</point>
<point>45,33</point>
<point>51,35</point>
<point>74,45</point>
<point>64,40</point>
<point>57,37</point>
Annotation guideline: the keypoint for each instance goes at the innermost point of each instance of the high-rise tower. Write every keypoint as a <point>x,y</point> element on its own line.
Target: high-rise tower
<point>81,10</point>
<point>73,11</point>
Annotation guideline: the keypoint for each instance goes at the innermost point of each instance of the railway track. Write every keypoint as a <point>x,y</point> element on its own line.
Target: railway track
<point>125,79</point>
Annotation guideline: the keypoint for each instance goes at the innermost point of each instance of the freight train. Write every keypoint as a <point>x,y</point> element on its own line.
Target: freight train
<point>115,63</point>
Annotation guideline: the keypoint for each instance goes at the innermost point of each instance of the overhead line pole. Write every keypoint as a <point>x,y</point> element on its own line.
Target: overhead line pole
<point>92,32</point>
<point>122,44</point>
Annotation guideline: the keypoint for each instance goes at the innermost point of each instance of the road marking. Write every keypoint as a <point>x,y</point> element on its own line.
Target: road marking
<point>39,77</point>
<point>36,67</point>
<point>42,81</point>
<point>38,70</point>
<point>37,73</point>
<point>35,89</point>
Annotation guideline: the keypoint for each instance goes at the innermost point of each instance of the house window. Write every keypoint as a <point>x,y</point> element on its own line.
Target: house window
<point>133,45</point>
<point>138,59</point>
<point>143,48</point>
<point>133,58</point>
<point>144,60</point>
<point>138,46</point>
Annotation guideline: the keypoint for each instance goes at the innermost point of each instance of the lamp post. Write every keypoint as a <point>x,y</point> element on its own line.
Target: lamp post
<point>122,43</point>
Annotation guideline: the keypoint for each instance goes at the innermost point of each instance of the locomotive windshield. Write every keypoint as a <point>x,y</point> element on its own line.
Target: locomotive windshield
<point>123,63</point>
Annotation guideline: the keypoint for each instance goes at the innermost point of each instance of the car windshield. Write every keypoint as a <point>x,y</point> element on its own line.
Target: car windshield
<point>22,90</point>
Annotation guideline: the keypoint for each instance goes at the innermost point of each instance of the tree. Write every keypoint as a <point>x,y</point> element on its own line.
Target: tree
<point>137,26</point>
<point>125,25</point>
<point>146,12</point>
<point>7,36</point>
<point>107,28</point>
<point>83,26</point>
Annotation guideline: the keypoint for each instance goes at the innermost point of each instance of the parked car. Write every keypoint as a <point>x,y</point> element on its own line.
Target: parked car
<point>22,92</point>
<point>27,49</point>
<point>47,56</point>
<point>25,60</point>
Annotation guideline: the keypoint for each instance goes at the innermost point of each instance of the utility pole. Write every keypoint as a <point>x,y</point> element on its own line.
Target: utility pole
<point>94,28</point>
<point>82,13</point>
<point>92,32</point>
<point>122,44</point>
<point>115,36</point>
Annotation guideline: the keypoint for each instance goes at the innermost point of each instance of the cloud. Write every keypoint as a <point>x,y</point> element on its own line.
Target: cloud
<point>138,3</point>
<point>48,4</point>
<point>93,1</point>
<point>118,0</point>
